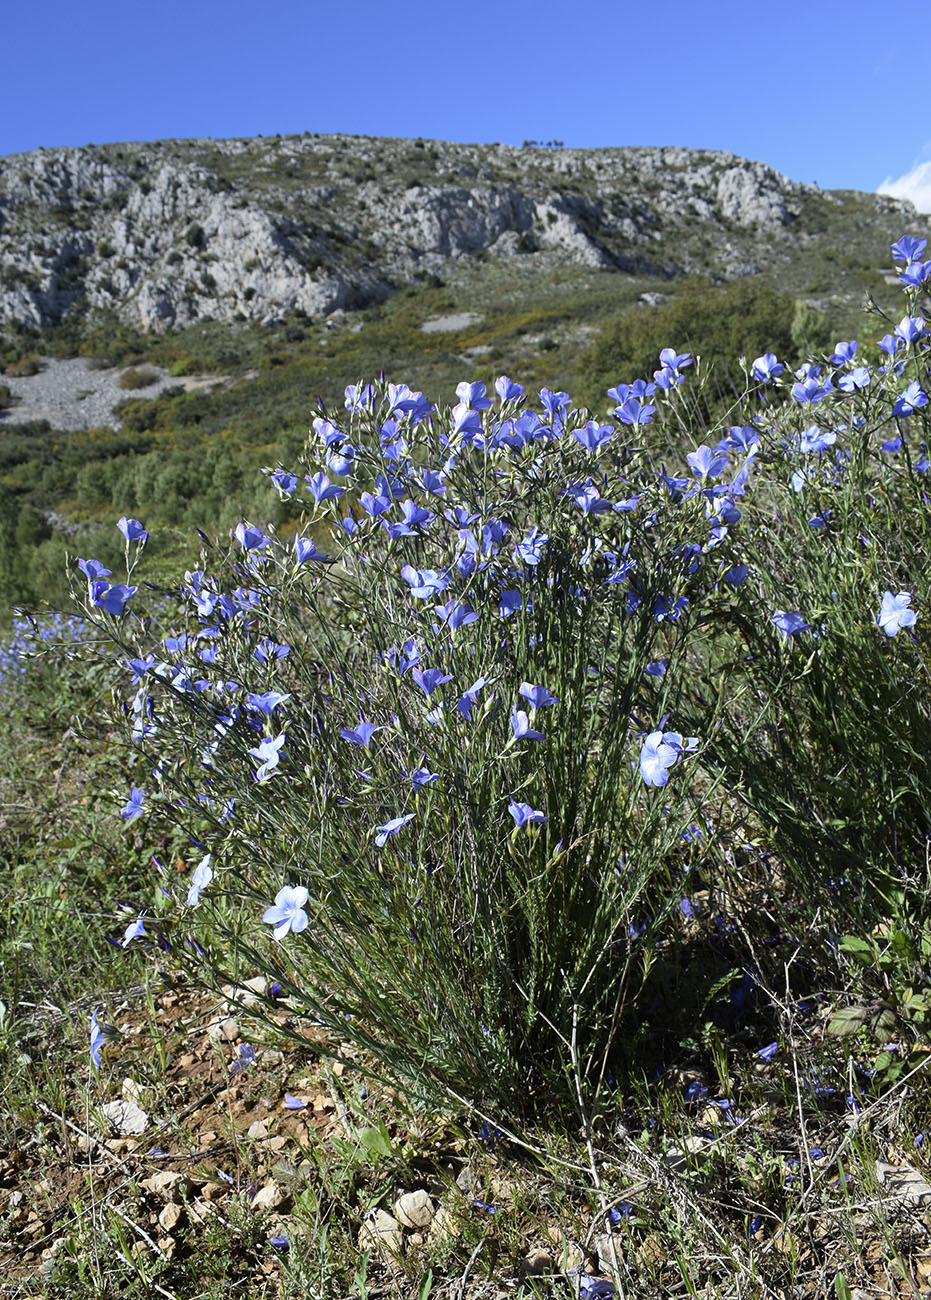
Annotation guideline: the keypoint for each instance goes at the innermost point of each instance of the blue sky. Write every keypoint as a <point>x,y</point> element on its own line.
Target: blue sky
<point>836,94</point>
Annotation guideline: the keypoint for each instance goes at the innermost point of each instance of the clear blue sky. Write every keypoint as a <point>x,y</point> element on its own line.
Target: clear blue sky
<point>834,93</point>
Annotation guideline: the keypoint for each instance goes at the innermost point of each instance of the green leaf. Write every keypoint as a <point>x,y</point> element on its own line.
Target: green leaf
<point>376,1140</point>
<point>858,948</point>
<point>848,1020</point>
<point>841,1289</point>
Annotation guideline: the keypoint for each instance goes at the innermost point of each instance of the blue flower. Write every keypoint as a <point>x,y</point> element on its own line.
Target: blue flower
<point>705,463</point>
<point>520,725</point>
<point>112,599</point>
<point>456,614</point>
<point>469,698</point>
<point>321,488</point>
<point>100,1035</point>
<point>587,497</point>
<point>530,550</point>
<point>910,329</point>
<point>305,551</point>
<point>390,828</point>
<point>424,583</point>
<point>895,612</point>
<point>93,569</point>
<point>524,815</point>
<point>593,436</point>
<point>421,776</point>
<point>134,804</point>
<point>790,622</point>
<point>634,412</point>
<point>766,367</point>
<point>133,530</point>
<point>362,734</point>
<point>909,401</point>
<point>268,754</point>
<point>660,751</point>
<point>267,702</point>
<point>201,878</point>
<point>428,679</point>
<point>507,390</point>
<point>473,395</point>
<point>537,696</point>
<point>288,915</point>
<point>135,930</point>
<point>907,248</point>
<point>250,539</point>
<point>97,1040</point>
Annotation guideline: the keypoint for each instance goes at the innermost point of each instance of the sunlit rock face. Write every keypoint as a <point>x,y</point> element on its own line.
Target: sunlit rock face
<point>175,232</point>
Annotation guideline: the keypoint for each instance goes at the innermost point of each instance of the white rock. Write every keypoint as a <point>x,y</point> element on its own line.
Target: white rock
<point>382,1232</point>
<point>125,1118</point>
<point>415,1209</point>
<point>168,1184</point>
<point>269,1197</point>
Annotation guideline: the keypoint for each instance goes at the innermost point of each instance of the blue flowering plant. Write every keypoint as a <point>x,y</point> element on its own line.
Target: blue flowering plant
<point>411,737</point>
<point>441,752</point>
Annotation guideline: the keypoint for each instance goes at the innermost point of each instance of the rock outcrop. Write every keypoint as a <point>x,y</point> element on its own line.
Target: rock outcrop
<point>176,232</point>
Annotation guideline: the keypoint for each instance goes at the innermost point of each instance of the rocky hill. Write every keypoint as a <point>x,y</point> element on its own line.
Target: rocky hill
<point>171,233</point>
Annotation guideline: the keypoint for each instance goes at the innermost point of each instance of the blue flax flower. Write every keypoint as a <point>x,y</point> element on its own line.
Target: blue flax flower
<point>530,550</point>
<point>133,530</point>
<point>112,599</point>
<point>524,815</point>
<point>390,828</point>
<point>789,622</point>
<point>97,1040</point>
<point>537,696</point>
<point>520,725</point>
<point>287,915</point>
<point>134,804</point>
<point>360,735</point>
<point>306,552</point>
<point>895,612</point>
<point>268,754</point>
<point>469,698</point>
<point>660,751</point>
<point>250,539</point>
<point>428,679</point>
<point>135,930</point>
<point>203,874</point>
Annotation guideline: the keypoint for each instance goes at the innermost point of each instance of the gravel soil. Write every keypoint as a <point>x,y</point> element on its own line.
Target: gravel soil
<point>70,395</point>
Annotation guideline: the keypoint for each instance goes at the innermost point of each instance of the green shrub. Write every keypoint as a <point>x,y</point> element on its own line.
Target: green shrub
<point>138,377</point>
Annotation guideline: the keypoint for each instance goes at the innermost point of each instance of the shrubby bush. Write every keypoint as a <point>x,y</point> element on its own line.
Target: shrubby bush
<point>713,321</point>
<point>453,760</point>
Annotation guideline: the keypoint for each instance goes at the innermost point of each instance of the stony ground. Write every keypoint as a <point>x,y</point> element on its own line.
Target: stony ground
<point>74,394</point>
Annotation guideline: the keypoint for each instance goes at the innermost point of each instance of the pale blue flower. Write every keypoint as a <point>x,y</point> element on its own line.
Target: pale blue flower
<point>134,804</point>
<point>268,754</point>
<point>537,696</point>
<point>895,613</point>
<point>520,725</point>
<point>203,874</point>
<point>660,751</point>
<point>135,930</point>
<point>390,828</point>
<point>288,915</point>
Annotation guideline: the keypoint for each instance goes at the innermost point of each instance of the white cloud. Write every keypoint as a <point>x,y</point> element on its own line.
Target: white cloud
<point>914,185</point>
